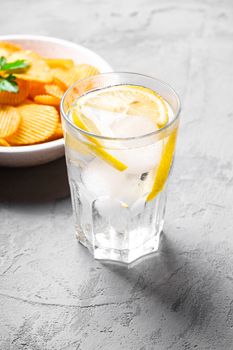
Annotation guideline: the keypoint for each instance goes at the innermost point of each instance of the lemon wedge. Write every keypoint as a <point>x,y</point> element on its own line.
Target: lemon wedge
<point>164,166</point>
<point>96,146</point>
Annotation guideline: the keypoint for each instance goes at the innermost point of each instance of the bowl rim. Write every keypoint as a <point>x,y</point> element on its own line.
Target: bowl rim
<point>49,39</point>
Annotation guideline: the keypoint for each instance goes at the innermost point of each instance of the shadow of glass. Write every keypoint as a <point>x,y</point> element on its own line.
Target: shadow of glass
<point>34,184</point>
<point>174,278</point>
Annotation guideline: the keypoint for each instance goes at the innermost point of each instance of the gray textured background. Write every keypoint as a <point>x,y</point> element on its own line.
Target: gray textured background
<point>52,294</point>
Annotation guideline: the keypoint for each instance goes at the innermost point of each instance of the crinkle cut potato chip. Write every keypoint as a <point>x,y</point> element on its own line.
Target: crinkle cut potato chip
<point>3,142</point>
<point>38,70</point>
<point>65,78</point>
<point>59,63</point>
<point>47,100</point>
<point>9,46</point>
<point>9,121</point>
<point>38,124</point>
<point>86,70</point>
<point>58,133</point>
<point>6,48</point>
<point>54,90</point>
<point>13,99</point>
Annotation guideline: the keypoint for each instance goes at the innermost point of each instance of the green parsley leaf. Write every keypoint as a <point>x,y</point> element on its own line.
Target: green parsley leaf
<point>2,62</point>
<point>9,84</point>
<point>15,66</point>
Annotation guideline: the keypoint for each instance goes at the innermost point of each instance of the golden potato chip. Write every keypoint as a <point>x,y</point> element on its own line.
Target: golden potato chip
<point>13,99</point>
<point>38,124</point>
<point>47,100</point>
<point>65,78</point>
<point>4,142</point>
<point>9,121</point>
<point>53,90</point>
<point>58,133</point>
<point>38,70</point>
<point>61,77</point>
<point>59,63</point>
<point>36,88</point>
<point>85,71</point>
<point>6,48</point>
<point>9,46</point>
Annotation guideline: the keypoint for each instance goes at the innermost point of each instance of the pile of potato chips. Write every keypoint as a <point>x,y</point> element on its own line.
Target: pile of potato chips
<point>32,115</point>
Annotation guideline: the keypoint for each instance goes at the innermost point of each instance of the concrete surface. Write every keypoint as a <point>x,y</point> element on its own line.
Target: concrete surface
<point>52,294</point>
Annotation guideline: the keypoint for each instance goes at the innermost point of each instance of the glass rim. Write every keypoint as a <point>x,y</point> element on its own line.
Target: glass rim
<point>131,138</point>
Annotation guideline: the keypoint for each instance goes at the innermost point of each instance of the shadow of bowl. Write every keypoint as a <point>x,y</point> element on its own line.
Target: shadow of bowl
<point>34,184</point>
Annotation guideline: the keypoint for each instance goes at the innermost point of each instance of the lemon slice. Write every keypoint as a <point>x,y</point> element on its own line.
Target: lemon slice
<point>128,100</point>
<point>164,166</point>
<point>131,100</point>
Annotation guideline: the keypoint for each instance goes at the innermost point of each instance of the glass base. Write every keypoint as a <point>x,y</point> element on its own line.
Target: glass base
<point>123,256</point>
<point>121,235</point>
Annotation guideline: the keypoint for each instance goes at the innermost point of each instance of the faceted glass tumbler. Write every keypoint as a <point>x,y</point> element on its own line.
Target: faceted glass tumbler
<point>119,215</point>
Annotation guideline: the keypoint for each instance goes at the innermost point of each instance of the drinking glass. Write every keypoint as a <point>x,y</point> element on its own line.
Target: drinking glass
<point>119,215</point>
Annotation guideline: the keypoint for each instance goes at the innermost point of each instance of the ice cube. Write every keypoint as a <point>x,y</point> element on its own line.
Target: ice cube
<point>132,126</point>
<point>141,159</point>
<point>138,159</point>
<point>138,206</point>
<point>111,208</point>
<point>101,119</point>
<point>116,214</point>
<point>102,180</point>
